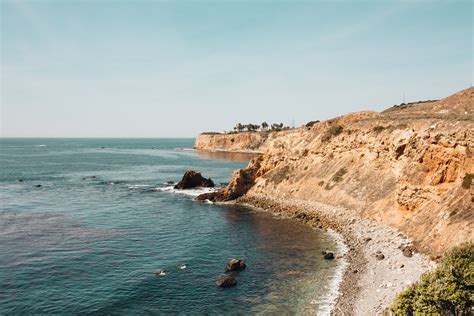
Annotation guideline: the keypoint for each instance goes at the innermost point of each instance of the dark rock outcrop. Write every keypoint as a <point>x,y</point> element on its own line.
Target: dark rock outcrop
<point>242,180</point>
<point>193,179</point>
<point>328,255</point>
<point>235,265</point>
<point>226,282</point>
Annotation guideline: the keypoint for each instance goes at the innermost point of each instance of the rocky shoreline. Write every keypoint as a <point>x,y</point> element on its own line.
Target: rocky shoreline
<point>374,178</point>
<point>369,284</point>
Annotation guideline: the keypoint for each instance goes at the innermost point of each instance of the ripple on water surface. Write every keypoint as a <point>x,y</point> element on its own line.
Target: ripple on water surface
<point>79,244</point>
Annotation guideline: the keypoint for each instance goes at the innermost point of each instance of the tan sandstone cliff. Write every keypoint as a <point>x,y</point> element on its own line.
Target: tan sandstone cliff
<point>237,142</point>
<point>251,142</point>
<point>409,167</point>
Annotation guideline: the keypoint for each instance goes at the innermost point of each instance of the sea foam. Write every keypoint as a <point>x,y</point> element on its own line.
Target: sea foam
<point>191,192</point>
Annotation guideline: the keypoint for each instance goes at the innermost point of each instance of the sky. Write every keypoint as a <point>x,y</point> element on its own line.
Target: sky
<point>177,68</point>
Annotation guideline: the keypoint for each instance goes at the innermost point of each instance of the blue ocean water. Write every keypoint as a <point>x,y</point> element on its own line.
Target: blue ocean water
<point>89,239</point>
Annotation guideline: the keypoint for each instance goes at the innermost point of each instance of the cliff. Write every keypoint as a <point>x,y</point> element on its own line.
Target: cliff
<point>409,167</point>
<point>253,142</point>
<point>236,142</point>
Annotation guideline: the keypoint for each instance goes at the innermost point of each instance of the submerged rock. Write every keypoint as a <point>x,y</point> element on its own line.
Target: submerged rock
<point>235,265</point>
<point>328,255</point>
<point>193,179</point>
<point>226,282</point>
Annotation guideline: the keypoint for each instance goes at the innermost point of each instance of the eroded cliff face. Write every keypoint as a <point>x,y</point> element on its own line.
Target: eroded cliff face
<point>238,142</point>
<point>410,168</point>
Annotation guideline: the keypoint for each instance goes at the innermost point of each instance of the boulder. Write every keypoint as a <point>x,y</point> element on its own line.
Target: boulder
<point>226,282</point>
<point>408,251</point>
<point>235,265</point>
<point>379,255</point>
<point>193,179</point>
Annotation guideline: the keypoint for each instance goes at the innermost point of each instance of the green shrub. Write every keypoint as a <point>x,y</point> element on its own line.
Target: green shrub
<point>467,180</point>
<point>378,129</point>
<point>335,130</point>
<point>280,175</point>
<point>449,290</point>
<point>211,133</point>
<point>337,177</point>
<point>332,131</point>
<point>311,123</point>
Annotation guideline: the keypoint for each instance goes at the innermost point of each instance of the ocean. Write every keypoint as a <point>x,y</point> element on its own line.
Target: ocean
<point>86,223</point>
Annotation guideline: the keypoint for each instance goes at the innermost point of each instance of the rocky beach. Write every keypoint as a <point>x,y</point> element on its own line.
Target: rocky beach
<point>375,266</point>
<point>396,185</point>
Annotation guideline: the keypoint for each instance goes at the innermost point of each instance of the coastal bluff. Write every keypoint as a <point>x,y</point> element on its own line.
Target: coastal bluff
<point>410,167</point>
<point>242,142</point>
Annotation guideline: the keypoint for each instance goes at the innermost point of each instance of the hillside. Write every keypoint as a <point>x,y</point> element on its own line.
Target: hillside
<point>410,167</point>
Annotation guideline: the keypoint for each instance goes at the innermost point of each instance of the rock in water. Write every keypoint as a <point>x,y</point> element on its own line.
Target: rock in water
<point>235,265</point>
<point>226,282</point>
<point>160,273</point>
<point>193,179</point>
<point>329,256</point>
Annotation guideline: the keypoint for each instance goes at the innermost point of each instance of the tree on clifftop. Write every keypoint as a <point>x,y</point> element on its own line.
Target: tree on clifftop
<point>251,127</point>
<point>239,127</point>
<point>277,127</point>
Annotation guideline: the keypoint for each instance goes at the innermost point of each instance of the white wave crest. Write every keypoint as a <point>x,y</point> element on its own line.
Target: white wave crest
<point>329,300</point>
<point>139,186</point>
<point>191,192</point>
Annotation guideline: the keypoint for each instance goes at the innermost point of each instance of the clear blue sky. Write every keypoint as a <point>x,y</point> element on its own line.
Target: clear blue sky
<point>176,68</point>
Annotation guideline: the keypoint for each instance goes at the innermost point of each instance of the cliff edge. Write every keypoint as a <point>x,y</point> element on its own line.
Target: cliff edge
<point>410,167</point>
